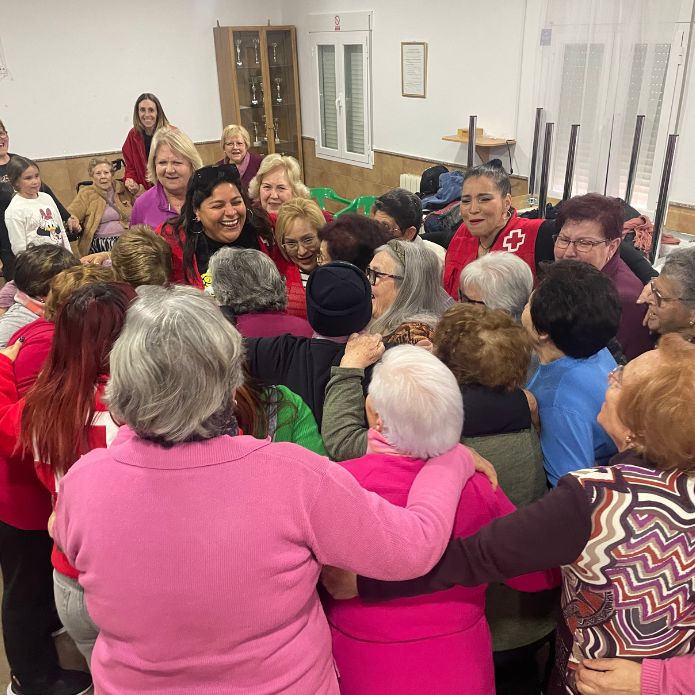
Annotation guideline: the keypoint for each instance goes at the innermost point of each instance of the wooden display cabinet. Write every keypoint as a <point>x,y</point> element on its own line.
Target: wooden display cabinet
<point>259,86</point>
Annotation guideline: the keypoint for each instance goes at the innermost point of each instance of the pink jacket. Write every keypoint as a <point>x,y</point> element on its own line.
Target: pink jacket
<point>199,562</point>
<point>425,644</point>
<point>668,676</point>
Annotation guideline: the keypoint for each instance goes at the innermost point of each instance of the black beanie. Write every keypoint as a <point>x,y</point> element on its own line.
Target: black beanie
<point>338,299</point>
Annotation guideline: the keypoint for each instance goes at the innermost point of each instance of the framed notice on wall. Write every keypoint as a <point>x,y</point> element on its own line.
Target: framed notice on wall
<point>414,69</point>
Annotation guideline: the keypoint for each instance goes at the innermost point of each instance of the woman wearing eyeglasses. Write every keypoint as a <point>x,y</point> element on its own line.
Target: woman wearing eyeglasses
<point>296,234</point>
<point>671,296</point>
<point>407,296</point>
<point>214,215</point>
<point>591,228</point>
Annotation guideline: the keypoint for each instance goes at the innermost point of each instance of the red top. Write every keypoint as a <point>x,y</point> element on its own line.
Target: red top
<point>175,238</point>
<point>296,297</point>
<point>517,237</point>
<point>135,158</point>
<point>24,501</point>
<point>101,433</point>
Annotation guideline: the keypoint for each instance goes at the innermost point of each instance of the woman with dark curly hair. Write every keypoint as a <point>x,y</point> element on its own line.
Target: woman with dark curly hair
<point>215,214</point>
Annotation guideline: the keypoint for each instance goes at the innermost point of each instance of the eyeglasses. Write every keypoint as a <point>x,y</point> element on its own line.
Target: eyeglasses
<point>4,134</point>
<point>615,376</point>
<point>463,297</point>
<point>321,259</point>
<point>393,231</point>
<point>308,242</point>
<point>660,298</point>
<point>374,275</point>
<point>223,172</point>
<point>582,245</point>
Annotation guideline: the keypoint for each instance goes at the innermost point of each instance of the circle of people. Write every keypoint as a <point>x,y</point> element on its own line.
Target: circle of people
<point>286,487</point>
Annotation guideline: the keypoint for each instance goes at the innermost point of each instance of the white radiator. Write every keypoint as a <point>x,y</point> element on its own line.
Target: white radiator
<point>411,182</point>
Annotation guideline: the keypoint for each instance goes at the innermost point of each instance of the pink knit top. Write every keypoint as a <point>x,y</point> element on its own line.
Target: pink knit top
<point>200,562</point>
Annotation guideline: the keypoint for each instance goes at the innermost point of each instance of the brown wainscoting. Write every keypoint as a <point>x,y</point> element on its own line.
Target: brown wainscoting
<point>63,174</point>
<point>350,181</point>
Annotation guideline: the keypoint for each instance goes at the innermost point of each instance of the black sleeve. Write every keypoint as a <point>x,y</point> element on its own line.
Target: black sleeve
<point>545,243</point>
<point>267,358</point>
<point>637,262</point>
<point>64,214</point>
<point>548,533</point>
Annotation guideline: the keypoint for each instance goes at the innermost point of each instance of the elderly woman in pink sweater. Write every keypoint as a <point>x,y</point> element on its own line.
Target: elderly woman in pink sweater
<point>423,644</point>
<point>198,551</point>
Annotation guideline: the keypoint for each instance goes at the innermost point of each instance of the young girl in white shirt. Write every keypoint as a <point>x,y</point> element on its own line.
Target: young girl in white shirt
<point>32,217</point>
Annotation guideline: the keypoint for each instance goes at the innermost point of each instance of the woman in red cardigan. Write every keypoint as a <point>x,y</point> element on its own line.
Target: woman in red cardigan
<point>148,116</point>
<point>215,214</point>
<point>296,235</point>
<point>490,223</point>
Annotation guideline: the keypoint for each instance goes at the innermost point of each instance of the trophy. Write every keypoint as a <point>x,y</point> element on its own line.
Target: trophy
<point>262,92</point>
<point>256,43</point>
<point>275,52</point>
<point>239,62</point>
<point>265,130</point>
<point>278,96</point>
<point>256,141</point>
<point>276,128</point>
<point>254,96</point>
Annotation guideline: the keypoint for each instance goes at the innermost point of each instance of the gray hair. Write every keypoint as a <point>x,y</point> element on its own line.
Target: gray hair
<point>247,281</point>
<point>503,280</point>
<point>175,367</point>
<point>418,400</point>
<point>420,296</point>
<point>680,266</point>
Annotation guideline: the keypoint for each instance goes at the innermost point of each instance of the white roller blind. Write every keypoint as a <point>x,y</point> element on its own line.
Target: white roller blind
<point>327,95</point>
<point>353,60</point>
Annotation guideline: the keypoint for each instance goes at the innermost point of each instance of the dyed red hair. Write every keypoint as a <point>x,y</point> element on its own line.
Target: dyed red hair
<point>60,406</point>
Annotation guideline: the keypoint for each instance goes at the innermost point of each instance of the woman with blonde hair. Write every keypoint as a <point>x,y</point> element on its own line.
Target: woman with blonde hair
<point>148,117</point>
<point>236,143</point>
<point>296,235</point>
<point>279,179</point>
<point>103,209</point>
<point>173,159</point>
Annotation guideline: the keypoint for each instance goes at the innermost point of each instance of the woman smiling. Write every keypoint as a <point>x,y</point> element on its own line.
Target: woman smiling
<point>103,209</point>
<point>236,142</point>
<point>215,214</point>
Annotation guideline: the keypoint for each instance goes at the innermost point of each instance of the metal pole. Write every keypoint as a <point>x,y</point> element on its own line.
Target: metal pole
<point>472,123</point>
<point>634,158</point>
<point>571,158</point>
<point>534,151</point>
<point>545,169</point>
<point>662,203</point>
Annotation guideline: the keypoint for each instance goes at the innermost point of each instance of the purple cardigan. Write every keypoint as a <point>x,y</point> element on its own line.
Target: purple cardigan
<point>152,208</point>
<point>251,170</point>
<point>203,558</point>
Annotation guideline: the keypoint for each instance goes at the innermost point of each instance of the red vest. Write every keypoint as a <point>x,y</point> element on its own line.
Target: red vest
<point>135,159</point>
<point>518,237</point>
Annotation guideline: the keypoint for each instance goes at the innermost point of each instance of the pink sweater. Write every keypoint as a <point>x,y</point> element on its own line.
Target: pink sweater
<point>668,676</point>
<point>200,562</point>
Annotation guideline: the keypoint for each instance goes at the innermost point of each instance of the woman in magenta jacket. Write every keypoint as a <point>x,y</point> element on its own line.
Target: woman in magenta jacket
<point>429,644</point>
<point>148,116</point>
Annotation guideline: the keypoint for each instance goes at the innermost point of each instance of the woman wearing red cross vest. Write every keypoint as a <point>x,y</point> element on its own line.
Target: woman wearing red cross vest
<point>490,223</point>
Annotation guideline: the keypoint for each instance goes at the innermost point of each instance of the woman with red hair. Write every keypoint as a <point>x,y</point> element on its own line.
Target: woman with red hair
<point>63,417</point>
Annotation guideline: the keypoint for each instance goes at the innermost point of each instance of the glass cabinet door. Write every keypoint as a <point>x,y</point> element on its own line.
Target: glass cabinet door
<point>251,91</point>
<point>281,68</point>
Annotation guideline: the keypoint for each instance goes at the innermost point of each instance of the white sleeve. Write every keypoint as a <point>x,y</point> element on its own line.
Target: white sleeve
<point>16,229</point>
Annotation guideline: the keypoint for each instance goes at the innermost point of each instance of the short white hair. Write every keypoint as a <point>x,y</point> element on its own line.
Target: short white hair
<point>175,367</point>
<point>418,401</point>
<point>503,280</point>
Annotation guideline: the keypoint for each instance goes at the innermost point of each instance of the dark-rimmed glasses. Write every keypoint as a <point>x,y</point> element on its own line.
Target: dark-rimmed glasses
<point>374,275</point>
<point>581,245</point>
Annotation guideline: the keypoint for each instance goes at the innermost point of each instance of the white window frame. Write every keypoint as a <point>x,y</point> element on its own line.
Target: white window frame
<point>341,39</point>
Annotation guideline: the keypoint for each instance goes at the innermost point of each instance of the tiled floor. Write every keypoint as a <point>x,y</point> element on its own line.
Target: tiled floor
<point>69,657</point>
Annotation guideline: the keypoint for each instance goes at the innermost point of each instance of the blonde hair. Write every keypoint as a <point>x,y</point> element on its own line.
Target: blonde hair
<point>179,142</point>
<point>94,162</point>
<point>297,209</point>
<point>232,130</point>
<point>67,281</point>
<point>291,167</point>
<point>141,257</point>
<point>658,410</point>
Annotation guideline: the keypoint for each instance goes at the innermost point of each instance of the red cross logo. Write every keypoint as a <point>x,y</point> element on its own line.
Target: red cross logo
<point>514,241</point>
